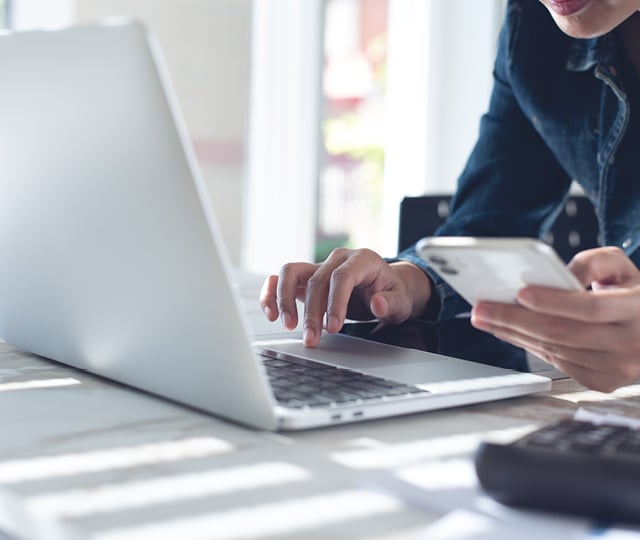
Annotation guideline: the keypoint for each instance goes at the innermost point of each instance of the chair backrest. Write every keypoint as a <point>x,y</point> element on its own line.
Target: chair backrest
<point>575,228</point>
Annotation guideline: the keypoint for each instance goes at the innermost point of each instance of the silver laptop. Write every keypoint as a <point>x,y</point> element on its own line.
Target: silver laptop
<point>112,260</point>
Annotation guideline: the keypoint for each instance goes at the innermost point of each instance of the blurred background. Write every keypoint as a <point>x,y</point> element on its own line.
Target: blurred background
<point>311,119</point>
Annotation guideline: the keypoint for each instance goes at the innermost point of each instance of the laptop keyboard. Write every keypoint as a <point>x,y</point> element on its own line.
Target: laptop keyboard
<point>297,383</point>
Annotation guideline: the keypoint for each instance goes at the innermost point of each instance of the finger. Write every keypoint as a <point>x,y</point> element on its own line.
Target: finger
<point>268,301</point>
<point>379,305</point>
<point>363,270</point>
<point>409,294</point>
<point>382,290</point>
<point>292,277</point>
<point>599,381</point>
<point>598,368</point>
<point>342,283</point>
<point>493,317</point>
<point>601,370</point>
<point>602,306</point>
<point>317,296</point>
<point>607,265</point>
<point>593,375</point>
<point>554,354</point>
<point>391,306</point>
<point>587,373</point>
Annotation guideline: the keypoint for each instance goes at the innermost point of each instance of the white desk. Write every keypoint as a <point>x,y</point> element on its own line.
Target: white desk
<point>82,457</point>
<point>74,452</point>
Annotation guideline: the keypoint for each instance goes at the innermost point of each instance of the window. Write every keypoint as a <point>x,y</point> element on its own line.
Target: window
<point>382,102</point>
<point>33,14</point>
<point>354,91</point>
<point>4,13</point>
<point>399,115</point>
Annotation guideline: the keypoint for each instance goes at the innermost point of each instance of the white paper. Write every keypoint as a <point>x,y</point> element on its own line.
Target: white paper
<point>467,525</point>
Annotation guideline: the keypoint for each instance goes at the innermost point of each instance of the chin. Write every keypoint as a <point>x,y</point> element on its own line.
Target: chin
<point>584,27</point>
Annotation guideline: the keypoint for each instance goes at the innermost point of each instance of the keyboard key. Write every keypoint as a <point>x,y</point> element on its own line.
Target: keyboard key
<point>298,382</point>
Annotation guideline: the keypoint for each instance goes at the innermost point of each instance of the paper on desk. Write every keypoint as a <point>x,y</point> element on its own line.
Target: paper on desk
<point>450,485</point>
<point>467,525</point>
<point>468,514</point>
<point>449,488</point>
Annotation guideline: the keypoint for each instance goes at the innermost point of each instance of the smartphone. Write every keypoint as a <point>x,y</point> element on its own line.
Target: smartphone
<point>495,269</point>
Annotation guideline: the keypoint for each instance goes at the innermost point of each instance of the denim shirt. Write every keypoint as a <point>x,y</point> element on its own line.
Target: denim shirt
<point>560,111</point>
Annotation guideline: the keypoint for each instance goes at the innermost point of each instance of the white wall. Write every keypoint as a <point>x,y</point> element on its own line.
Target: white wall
<point>283,157</point>
<point>463,49</point>
<point>28,14</point>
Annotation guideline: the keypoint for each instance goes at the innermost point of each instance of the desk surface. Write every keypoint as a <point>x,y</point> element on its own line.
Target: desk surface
<point>82,457</point>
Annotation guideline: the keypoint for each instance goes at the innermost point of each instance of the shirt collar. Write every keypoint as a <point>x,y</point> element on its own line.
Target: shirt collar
<point>587,53</point>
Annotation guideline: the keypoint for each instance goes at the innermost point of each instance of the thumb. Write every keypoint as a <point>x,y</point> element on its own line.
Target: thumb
<point>604,266</point>
<point>391,307</point>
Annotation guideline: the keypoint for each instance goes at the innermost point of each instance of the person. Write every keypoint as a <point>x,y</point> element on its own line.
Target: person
<point>565,106</point>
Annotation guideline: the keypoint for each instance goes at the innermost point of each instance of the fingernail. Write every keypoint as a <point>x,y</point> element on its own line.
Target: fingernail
<point>480,318</point>
<point>524,297</point>
<point>308,336</point>
<point>333,324</point>
<point>268,313</point>
<point>286,318</point>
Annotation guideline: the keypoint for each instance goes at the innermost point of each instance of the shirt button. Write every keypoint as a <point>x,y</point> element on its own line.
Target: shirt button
<point>626,243</point>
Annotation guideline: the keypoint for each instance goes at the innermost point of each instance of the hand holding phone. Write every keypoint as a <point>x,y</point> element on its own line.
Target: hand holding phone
<point>495,269</point>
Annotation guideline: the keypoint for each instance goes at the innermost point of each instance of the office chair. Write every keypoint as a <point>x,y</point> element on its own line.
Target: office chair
<point>575,228</point>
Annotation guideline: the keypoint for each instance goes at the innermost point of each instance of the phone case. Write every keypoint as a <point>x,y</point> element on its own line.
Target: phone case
<point>495,269</point>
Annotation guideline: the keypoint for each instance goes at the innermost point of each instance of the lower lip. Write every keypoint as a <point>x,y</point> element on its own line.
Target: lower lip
<point>567,7</point>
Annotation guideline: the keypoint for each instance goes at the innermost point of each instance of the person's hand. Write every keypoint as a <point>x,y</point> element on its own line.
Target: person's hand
<point>355,284</point>
<point>592,336</point>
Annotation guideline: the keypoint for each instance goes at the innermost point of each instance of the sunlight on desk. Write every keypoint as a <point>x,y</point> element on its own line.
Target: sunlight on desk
<point>129,495</point>
<point>466,525</point>
<point>395,455</point>
<point>441,475</point>
<point>287,517</point>
<point>36,384</point>
<point>592,395</point>
<point>39,468</point>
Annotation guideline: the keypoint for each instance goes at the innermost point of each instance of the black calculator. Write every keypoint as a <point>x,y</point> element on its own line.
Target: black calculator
<point>573,467</point>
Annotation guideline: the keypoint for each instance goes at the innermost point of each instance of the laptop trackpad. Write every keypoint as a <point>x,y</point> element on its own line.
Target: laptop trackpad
<point>409,366</point>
